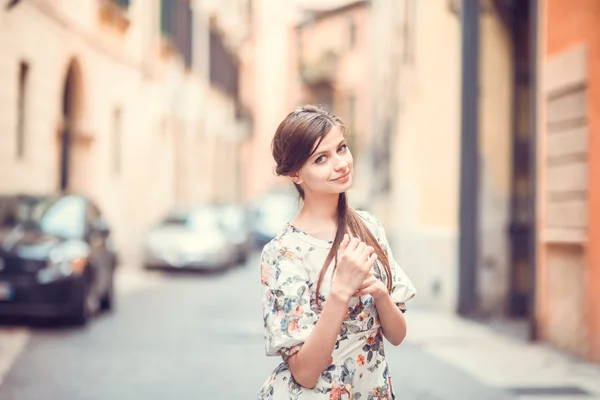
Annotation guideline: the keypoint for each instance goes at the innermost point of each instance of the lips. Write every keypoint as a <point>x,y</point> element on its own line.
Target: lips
<point>342,177</point>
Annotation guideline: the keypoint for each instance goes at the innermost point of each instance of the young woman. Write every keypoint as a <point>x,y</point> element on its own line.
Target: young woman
<point>331,289</point>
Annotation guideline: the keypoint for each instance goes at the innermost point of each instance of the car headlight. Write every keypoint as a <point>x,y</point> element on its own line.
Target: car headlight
<point>61,264</point>
<point>202,244</point>
<point>189,247</point>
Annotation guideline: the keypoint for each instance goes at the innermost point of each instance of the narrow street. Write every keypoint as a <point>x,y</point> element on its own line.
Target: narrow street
<point>186,336</point>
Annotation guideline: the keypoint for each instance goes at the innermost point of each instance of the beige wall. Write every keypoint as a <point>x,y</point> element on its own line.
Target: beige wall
<point>346,78</point>
<point>495,146</point>
<point>274,82</point>
<point>424,200</point>
<point>270,36</point>
<point>422,209</point>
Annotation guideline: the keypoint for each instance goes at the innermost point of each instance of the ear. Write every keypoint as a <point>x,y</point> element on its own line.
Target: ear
<point>295,177</point>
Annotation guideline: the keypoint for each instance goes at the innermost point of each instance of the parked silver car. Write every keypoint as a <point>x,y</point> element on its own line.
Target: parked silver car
<point>235,222</point>
<point>269,215</point>
<point>190,238</point>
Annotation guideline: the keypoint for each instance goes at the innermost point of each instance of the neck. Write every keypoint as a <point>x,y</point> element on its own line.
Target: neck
<point>321,207</point>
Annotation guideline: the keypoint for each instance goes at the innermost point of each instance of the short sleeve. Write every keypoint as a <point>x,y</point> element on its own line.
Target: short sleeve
<point>288,318</point>
<point>403,289</point>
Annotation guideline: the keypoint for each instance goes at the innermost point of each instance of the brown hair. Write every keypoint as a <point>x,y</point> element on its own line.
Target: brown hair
<point>292,146</point>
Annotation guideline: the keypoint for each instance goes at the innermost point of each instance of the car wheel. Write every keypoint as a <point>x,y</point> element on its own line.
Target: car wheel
<point>107,302</point>
<point>86,302</point>
<point>243,259</point>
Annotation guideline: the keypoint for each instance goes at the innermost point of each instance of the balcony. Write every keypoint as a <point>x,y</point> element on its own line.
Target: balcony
<point>177,28</point>
<point>321,71</point>
<point>224,66</point>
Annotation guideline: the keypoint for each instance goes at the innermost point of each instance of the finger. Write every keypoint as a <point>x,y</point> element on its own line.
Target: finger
<point>368,282</point>
<point>344,243</point>
<point>371,260</point>
<point>352,245</point>
<point>369,276</point>
<point>365,291</point>
<point>369,279</point>
<point>366,253</point>
<point>360,249</point>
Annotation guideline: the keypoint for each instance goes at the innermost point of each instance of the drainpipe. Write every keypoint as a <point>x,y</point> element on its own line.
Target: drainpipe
<point>534,47</point>
<point>469,159</point>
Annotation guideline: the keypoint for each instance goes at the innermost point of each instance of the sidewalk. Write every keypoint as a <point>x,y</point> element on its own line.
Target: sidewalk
<point>520,369</point>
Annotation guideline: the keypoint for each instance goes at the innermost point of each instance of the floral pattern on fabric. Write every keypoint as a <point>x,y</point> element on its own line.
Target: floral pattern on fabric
<point>290,266</point>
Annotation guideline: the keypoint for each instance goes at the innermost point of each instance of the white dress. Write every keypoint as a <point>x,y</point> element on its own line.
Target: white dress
<point>290,267</point>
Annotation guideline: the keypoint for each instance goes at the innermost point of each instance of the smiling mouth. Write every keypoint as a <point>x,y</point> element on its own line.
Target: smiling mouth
<point>341,177</point>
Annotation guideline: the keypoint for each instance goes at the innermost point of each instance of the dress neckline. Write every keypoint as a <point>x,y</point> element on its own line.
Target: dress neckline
<point>308,237</point>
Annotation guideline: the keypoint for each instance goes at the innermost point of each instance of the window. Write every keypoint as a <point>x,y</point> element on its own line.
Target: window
<point>116,142</point>
<point>124,4</point>
<point>409,30</point>
<point>299,43</point>
<point>64,218</point>
<point>21,108</point>
<point>249,10</point>
<point>351,111</point>
<point>177,24</point>
<point>166,26</point>
<point>454,6</point>
<point>223,67</point>
<point>352,33</point>
<point>351,123</point>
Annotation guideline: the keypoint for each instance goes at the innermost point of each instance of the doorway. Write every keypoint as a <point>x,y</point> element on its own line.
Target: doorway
<point>71,115</point>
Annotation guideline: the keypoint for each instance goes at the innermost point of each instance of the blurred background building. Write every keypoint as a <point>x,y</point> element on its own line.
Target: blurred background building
<point>472,122</point>
<point>136,104</point>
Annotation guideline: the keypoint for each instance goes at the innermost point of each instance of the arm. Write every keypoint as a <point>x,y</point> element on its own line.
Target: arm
<point>291,327</point>
<point>390,306</point>
<point>390,315</point>
<point>310,361</point>
<point>391,318</point>
<point>354,261</point>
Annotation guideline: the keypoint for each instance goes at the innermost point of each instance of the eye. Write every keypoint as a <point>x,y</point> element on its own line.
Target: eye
<point>320,160</point>
<point>343,148</point>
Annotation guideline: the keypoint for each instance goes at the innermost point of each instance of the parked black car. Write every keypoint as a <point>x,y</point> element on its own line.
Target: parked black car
<point>56,257</point>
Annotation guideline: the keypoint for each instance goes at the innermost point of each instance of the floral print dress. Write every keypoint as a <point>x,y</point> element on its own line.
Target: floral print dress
<point>290,267</point>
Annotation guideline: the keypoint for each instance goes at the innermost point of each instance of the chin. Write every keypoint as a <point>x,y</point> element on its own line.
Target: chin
<point>345,187</point>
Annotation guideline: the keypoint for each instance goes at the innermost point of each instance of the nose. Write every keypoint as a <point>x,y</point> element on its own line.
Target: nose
<point>341,163</point>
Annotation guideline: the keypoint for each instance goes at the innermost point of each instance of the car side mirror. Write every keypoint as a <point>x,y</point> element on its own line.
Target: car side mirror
<point>100,226</point>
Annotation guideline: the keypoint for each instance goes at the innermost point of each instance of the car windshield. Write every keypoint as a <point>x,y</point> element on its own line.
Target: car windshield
<point>62,217</point>
<point>278,207</point>
<point>232,217</point>
<point>198,220</point>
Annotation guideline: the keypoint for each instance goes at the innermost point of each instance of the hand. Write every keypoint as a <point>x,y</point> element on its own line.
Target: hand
<point>354,261</point>
<point>373,286</point>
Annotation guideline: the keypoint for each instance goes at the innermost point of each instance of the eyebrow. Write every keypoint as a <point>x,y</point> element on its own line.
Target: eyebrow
<point>327,151</point>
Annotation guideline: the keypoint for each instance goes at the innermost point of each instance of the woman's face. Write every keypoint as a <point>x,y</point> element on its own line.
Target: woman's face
<point>329,169</point>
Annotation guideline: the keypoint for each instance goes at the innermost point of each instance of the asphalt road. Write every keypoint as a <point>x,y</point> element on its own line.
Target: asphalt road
<point>186,336</point>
